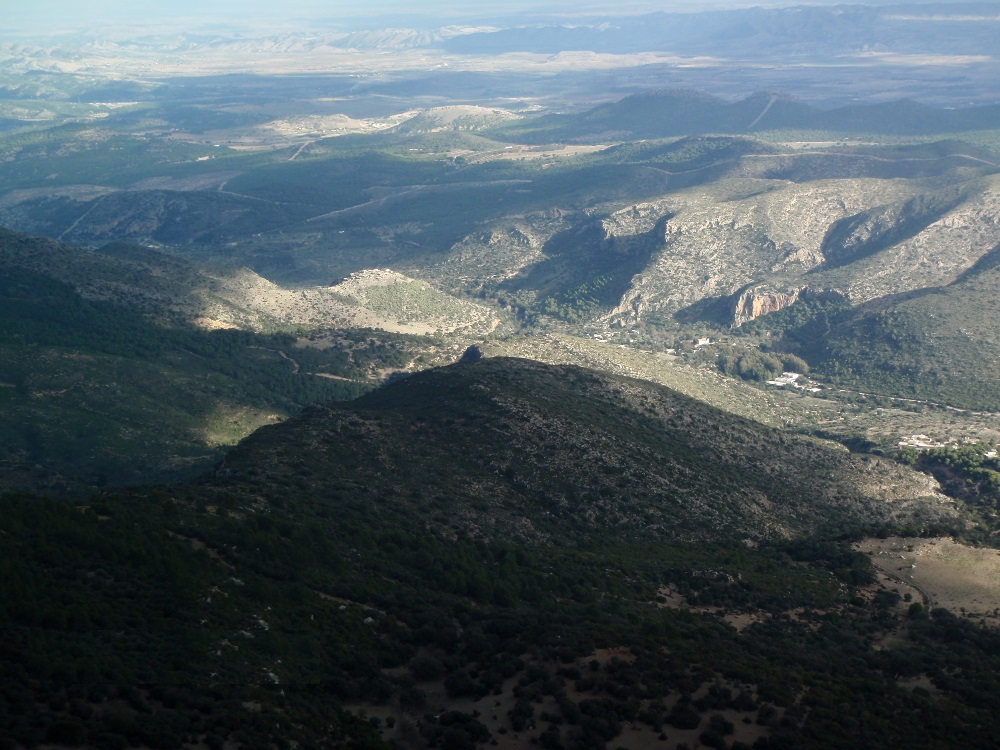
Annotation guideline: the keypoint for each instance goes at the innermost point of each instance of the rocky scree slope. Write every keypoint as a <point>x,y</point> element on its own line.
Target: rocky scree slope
<point>514,449</point>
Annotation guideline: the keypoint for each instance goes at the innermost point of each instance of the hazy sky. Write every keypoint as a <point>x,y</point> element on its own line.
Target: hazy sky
<point>61,12</point>
<point>67,15</point>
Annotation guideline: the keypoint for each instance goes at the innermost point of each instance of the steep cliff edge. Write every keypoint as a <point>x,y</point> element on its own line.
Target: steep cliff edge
<point>758,301</point>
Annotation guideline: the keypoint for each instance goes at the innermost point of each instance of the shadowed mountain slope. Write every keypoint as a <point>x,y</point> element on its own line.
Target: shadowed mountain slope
<point>213,296</point>
<point>519,450</point>
<point>128,365</point>
<point>937,343</point>
<point>487,535</point>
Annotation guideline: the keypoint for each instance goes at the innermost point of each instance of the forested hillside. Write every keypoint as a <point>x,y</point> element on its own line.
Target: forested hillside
<point>318,589</point>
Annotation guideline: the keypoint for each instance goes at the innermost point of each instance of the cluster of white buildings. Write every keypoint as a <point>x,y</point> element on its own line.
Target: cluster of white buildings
<point>796,380</point>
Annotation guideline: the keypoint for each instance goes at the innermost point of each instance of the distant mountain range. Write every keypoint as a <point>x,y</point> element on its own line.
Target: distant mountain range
<point>660,114</point>
<point>807,31</point>
<point>944,52</point>
<point>803,31</point>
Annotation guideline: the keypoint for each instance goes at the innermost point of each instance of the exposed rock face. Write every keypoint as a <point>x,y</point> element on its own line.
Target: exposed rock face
<point>863,238</point>
<point>742,233</point>
<point>936,255</point>
<point>866,237</point>
<point>752,303</point>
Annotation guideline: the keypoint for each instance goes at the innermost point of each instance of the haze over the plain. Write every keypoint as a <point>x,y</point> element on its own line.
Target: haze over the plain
<point>62,16</point>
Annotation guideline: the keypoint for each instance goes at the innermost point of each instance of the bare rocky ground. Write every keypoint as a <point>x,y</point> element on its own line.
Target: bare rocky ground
<point>750,231</point>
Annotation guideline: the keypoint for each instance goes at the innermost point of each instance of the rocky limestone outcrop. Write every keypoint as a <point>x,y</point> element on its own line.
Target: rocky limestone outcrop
<point>719,243</point>
<point>754,303</point>
<point>750,304</point>
<point>935,256</point>
<point>713,244</point>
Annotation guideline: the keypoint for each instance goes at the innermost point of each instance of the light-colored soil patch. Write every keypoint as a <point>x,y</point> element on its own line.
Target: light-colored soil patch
<point>80,193</point>
<point>396,303</point>
<point>955,576</point>
<point>227,424</point>
<point>800,145</point>
<point>922,681</point>
<point>210,324</point>
<point>240,57</point>
<point>213,180</point>
<point>743,620</point>
<point>670,598</point>
<point>334,124</point>
<point>533,153</point>
<point>909,591</point>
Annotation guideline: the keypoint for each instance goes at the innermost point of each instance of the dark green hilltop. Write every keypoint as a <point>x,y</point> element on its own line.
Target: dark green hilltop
<point>518,450</point>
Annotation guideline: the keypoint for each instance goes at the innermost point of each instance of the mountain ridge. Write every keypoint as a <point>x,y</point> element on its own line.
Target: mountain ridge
<point>679,112</point>
<point>522,448</point>
<point>233,297</point>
